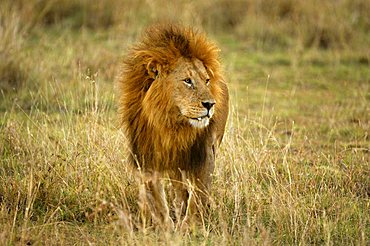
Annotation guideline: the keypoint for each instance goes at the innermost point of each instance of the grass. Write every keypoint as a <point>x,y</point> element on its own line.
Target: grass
<point>293,167</point>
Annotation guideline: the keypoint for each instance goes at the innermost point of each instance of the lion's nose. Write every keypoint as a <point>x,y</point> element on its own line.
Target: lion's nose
<point>208,104</point>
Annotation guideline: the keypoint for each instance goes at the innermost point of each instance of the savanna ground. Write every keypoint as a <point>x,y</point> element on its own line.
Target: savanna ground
<point>294,166</point>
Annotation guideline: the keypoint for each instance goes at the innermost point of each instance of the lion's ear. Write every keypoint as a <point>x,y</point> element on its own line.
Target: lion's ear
<point>153,69</point>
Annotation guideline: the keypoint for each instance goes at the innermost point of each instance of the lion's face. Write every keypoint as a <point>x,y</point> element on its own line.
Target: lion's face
<point>191,94</point>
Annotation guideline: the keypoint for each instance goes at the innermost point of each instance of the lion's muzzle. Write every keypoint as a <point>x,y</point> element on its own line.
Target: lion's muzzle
<point>203,120</point>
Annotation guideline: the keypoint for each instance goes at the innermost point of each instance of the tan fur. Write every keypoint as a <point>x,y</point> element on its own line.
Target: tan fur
<point>156,104</point>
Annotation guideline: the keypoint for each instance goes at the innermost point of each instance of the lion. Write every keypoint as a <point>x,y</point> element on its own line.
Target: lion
<point>173,105</point>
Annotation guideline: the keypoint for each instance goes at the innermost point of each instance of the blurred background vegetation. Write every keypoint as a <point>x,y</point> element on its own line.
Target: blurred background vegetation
<point>283,23</point>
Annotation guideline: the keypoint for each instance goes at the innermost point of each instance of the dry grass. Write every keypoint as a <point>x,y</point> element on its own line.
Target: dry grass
<point>12,71</point>
<point>294,164</point>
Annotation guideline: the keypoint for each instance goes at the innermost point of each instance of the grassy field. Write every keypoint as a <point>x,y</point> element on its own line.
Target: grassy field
<point>294,166</point>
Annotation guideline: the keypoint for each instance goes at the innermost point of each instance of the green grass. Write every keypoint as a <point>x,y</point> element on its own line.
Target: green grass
<point>294,166</point>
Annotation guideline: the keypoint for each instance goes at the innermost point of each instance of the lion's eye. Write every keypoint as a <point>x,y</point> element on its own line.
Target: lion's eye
<point>207,81</point>
<point>188,82</point>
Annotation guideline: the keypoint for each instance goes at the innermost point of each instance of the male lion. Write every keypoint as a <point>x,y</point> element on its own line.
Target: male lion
<point>173,107</point>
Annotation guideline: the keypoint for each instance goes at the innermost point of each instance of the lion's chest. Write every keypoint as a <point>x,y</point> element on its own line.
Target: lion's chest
<point>163,154</point>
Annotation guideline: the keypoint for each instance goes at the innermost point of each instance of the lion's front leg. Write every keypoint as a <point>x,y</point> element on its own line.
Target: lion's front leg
<point>192,190</point>
<point>153,202</point>
<point>203,174</point>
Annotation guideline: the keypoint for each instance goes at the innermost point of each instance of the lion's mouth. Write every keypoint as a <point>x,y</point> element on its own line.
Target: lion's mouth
<point>200,118</point>
<point>199,122</point>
